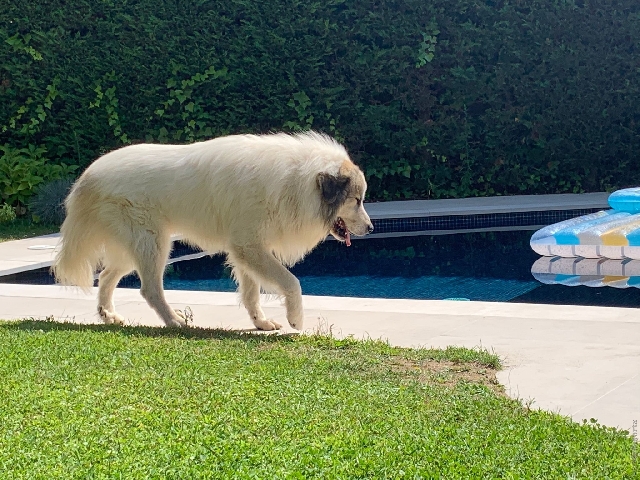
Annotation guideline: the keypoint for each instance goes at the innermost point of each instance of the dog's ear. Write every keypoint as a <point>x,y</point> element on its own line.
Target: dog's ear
<point>333,189</point>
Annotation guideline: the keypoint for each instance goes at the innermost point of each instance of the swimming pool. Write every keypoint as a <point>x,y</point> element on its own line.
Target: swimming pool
<point>421,267</point>
<point>486,266</point>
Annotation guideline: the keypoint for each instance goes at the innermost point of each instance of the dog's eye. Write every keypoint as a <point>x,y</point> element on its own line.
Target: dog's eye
<point>358,201</point>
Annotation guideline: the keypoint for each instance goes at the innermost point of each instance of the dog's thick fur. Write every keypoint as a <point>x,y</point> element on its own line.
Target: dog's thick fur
<point>265,200</point>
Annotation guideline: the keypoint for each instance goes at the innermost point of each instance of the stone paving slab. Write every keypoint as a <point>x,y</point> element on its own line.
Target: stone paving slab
<point>29,254</point>
<point>582,362</point>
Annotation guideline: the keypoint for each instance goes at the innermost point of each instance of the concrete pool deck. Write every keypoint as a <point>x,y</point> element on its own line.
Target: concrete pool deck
<point>583,362</point>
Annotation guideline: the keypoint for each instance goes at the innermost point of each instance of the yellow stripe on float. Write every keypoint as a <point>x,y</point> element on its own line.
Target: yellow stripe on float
<point>617,236</point>
<point>614,239</point>
<point>613,278</point>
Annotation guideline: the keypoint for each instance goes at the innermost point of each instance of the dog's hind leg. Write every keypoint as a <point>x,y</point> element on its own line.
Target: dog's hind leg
<point>250,296</point>
<point>107,283</point>
<point>152,251</point>
<point>117,263</point>
<point>271,273</point>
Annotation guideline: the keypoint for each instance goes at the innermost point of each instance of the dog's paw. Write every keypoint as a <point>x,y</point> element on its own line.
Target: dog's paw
<point>110,318</point>
<point>296,323</point>
<point>181,319</point>
<point>266,325</point>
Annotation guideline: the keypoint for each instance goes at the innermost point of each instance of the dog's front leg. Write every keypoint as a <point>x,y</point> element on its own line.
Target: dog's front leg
<point>250,296</point>
<point>273,275</point>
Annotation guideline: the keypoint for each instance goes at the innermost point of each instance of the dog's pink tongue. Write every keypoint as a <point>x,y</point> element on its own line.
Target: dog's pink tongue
<point>347,238</point>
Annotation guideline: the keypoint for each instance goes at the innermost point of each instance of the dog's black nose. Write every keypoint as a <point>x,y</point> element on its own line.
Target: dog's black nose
<point>370,228</point>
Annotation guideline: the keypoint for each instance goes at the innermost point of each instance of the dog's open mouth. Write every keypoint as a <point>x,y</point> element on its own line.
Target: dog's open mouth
<point>341,232</point>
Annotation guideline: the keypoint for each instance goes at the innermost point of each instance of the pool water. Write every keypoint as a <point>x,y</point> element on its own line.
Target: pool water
<point>488,266</point>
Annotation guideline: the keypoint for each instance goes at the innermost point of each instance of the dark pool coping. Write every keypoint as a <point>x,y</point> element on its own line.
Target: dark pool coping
<point>486,205</point>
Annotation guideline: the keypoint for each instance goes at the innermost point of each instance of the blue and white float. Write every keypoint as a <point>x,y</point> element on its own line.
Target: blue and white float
<point>613,234</point>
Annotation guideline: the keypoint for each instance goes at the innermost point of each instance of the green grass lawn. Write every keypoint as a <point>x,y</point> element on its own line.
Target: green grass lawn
<point>144,403</point>
<point>24,228</point>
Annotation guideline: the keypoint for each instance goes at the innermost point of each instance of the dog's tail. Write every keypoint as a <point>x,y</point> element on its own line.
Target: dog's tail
<point>81,245</point>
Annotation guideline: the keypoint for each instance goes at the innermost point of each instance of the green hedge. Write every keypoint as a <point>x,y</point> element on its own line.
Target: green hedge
<point>446,98</point>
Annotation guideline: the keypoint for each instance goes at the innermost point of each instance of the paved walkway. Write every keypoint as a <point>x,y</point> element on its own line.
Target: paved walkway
<point>583,362</point>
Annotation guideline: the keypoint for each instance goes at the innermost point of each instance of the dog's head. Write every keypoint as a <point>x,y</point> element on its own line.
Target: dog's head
<point>343,202</point>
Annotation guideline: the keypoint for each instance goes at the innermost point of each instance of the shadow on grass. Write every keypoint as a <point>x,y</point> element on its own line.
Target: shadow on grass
<point>460,355</point>
<point>195,333</point>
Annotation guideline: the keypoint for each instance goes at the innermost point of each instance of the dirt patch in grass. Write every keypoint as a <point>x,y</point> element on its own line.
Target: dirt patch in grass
<point>447,373</point>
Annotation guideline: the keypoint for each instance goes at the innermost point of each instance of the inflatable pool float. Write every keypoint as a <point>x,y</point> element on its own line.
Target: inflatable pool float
<point>590,272</point>
<point>611,233</point>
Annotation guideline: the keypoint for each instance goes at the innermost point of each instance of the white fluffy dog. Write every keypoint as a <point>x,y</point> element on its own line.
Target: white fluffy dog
<point>265,200</point>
